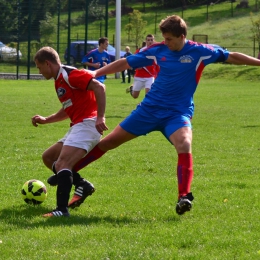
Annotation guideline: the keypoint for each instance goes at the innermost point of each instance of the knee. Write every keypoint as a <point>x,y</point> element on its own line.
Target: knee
<point>183,145</point>
<point>135,94</point>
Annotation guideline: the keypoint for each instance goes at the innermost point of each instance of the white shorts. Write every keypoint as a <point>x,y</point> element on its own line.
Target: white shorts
<point>141,83</point>
<point>82,135</point>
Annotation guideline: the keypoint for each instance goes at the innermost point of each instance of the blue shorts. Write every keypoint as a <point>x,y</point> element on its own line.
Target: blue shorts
<point>142,122</point>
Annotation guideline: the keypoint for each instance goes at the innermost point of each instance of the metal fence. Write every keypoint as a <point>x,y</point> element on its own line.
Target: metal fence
<point>27,25</point>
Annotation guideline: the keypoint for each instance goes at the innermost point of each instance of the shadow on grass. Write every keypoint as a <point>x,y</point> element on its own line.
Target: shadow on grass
<point>115,116</point>
<point>251,126</point>
<point>27,216</point>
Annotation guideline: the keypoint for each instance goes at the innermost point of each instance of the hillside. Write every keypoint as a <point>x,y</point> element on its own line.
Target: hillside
<point>224,24</point>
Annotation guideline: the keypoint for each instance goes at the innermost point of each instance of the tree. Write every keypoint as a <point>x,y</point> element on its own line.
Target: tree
<point>243,4</point>
<point>47,29</point>
<point>135,28</point>
<point>8,20</point>
<point>96,11</point>
<point>23,18</point>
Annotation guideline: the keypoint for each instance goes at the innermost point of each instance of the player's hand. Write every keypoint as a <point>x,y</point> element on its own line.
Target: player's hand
<point>97,65</point>
<point>101,125</point>
<point>38,120</point>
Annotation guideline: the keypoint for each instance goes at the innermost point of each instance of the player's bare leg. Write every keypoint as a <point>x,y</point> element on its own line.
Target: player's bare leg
<point>182,139</point>
<point>68,157</point>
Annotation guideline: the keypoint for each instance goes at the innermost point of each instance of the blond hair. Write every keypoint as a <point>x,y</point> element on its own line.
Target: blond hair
<point>47,53</point>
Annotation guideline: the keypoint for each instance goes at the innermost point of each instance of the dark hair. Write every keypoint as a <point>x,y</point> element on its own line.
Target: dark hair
<point>47,53</point>
<point>174,25</point>
<point>102,40</point>
<point>149,35</point>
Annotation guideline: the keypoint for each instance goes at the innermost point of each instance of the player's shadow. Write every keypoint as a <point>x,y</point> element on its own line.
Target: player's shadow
<point>115,116</point>
<point>26,216</point>
<point>251,126</point>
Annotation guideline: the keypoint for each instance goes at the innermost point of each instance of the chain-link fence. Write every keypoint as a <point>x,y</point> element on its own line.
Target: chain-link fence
<point>27,25</point>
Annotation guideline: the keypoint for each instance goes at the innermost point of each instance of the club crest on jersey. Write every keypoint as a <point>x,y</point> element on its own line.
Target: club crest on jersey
<point>186,59</point>
<point>66,103</point>
<point>61,92</point>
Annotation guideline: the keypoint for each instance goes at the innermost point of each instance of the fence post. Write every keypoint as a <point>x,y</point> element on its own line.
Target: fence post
<point>69,18</point>
<point>106,17</point>
<point>232,14</point>
<point>182,9</point>
<point>100,29</point>
<point>58,28</point>
<point>207,10</point>
<point>86,28</point>
<point>29,39</point>
<point>155,22</point>
<point>18,39</point>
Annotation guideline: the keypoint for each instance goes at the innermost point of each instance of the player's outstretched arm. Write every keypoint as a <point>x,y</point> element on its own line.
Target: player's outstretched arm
<point>238,58</point>
<point>59,116</point>
<point>116,66</point>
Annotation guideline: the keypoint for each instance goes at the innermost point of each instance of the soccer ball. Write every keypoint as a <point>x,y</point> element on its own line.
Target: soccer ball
<point>34,192</point>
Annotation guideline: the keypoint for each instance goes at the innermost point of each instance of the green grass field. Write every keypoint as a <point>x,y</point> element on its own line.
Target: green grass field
<point>132,213</point>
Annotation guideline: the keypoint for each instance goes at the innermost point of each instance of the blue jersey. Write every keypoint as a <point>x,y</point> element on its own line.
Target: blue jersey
<point>95,56</point>
<point>180,71</point>
<point>127,54</point>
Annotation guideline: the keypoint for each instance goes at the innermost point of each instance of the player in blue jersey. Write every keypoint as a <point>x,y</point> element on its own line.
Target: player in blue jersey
<point>168,107</point>
<point>98,58</point>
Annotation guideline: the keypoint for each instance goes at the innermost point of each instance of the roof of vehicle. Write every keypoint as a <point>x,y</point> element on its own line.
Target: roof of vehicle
<point>93,42</point>
<point>110,47</point>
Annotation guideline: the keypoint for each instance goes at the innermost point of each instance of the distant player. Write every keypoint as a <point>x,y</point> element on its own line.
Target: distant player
<point>127,53</point>
<point>144,76</point>
<point>98,58</point>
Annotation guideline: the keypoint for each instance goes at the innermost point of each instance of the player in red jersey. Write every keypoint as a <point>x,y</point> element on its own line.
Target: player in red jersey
<point>83,102</point>
<point>144,76</point>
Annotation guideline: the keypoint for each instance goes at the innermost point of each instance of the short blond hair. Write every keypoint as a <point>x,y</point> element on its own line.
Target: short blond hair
<point>47,53</point>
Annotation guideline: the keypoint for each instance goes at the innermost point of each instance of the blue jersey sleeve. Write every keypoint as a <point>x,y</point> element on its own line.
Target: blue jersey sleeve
<point>87,57</point>
<point>140,59</point>
<point>217,53</point>
<point>223,55</point>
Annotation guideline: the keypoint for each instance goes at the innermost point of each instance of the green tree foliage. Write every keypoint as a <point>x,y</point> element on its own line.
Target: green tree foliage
<point>47,29</point>
<point>19,18</point>
<point>8,19</point>
<point>96,11</point>
<point>136,27</point>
